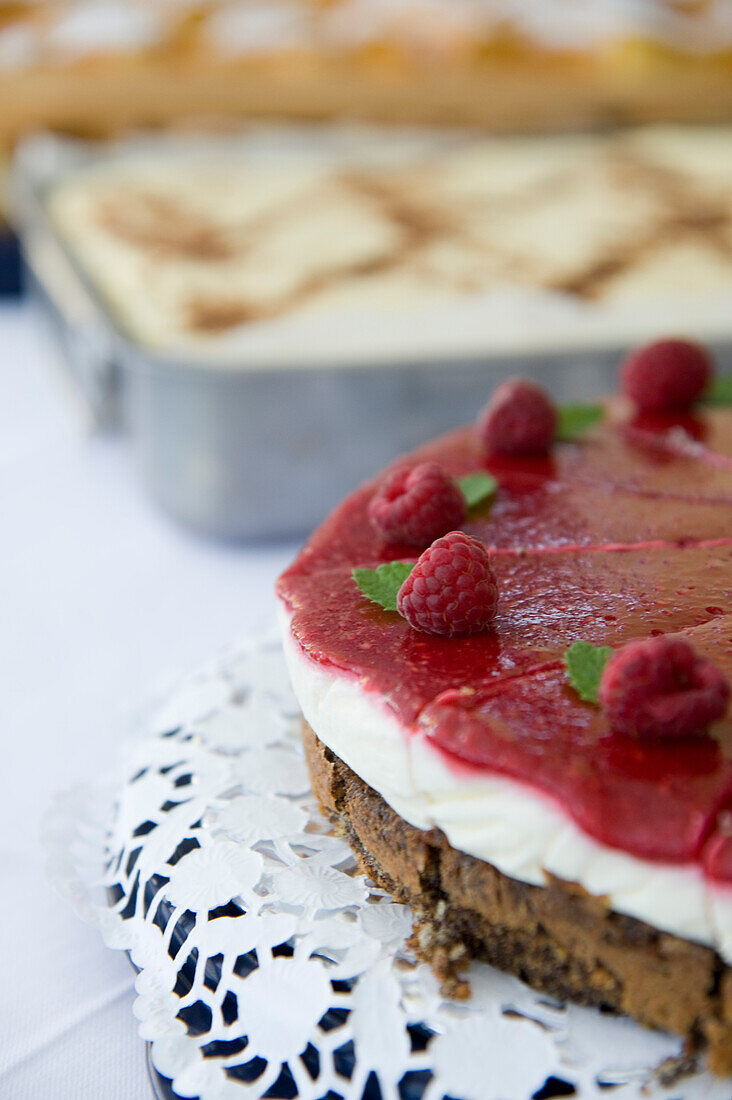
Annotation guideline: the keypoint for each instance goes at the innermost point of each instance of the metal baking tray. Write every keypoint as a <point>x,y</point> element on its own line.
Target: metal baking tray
<point>263,447</point>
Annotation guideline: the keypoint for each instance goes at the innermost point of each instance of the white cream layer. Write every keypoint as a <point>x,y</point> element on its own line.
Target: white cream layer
<point>510,825</point>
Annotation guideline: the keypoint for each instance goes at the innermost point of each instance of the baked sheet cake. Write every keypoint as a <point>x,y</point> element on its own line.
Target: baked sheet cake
<point>98,66</point>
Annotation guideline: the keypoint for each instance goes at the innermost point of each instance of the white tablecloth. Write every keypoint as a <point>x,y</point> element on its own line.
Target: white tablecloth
<point>101,599</point>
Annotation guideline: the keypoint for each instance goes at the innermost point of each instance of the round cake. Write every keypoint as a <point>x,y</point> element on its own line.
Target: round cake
<point>529,779</point>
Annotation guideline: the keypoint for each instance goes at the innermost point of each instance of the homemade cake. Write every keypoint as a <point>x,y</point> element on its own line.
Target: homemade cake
<point>406,245</point>
<point>97,66</point>
<point>535,750</point>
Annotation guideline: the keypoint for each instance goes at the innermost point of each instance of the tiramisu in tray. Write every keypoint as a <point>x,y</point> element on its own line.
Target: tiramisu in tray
<point>350,243</point>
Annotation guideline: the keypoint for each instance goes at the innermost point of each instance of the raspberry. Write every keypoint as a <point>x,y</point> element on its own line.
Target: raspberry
<point>669,374</point>
<point>660,687</point>
<point>452,588</point>
<point>415,506</point>
<point>520,418</point>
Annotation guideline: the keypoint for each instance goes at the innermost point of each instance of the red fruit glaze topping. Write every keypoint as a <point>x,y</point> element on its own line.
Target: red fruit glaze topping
<point>620,537</point>
<point>452,588</point>
<point>666,375</point>
<point>519,419</point>
<point>659,687</point>
<point>417,506</point>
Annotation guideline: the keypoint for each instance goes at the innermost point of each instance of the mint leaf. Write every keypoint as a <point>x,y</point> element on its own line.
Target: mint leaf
<point>381,585</point>
<point>477,488</point>
<point>576,419</point>
<point>585,663</point>
<point>719,392</point>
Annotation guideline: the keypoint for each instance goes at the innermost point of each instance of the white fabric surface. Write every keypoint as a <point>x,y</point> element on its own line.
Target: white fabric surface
<point>101,599</point>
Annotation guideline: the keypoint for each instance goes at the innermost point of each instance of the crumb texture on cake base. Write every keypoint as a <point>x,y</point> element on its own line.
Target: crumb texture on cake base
<point>557,938</point>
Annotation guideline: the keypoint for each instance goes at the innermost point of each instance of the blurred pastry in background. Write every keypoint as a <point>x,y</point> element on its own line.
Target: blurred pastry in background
<point>222,250</point>
<point>99,66</point>
<point>96,68</point>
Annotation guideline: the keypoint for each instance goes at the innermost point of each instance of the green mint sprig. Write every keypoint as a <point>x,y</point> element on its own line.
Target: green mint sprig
<point>719,392</point>
<point>585,663</point>
<point>381,585</point>
<point>477,488</point>
<point>574,421</point>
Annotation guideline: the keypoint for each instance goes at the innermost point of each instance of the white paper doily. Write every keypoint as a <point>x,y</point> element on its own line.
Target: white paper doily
<point>267,964</point>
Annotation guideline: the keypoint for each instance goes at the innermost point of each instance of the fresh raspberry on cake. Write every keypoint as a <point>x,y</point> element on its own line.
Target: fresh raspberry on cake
<point>666,375</point>
<point>452,588</point>
<point>660,687</point>
<point>520,418</point>
<point>416,506</point>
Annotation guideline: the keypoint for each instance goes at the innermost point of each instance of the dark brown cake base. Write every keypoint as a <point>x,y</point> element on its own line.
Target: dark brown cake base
<point>557,938</point>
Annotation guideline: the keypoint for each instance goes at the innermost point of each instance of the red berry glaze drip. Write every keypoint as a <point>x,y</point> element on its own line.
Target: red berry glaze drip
<point>417,506</point>
<point>659,687</point>
<point>666,375</point>
<point>519,419</point>
<point>452,588</point>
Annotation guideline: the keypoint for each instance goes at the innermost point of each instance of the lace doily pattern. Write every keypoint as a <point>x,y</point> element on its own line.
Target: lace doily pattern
<point>268,965</point>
